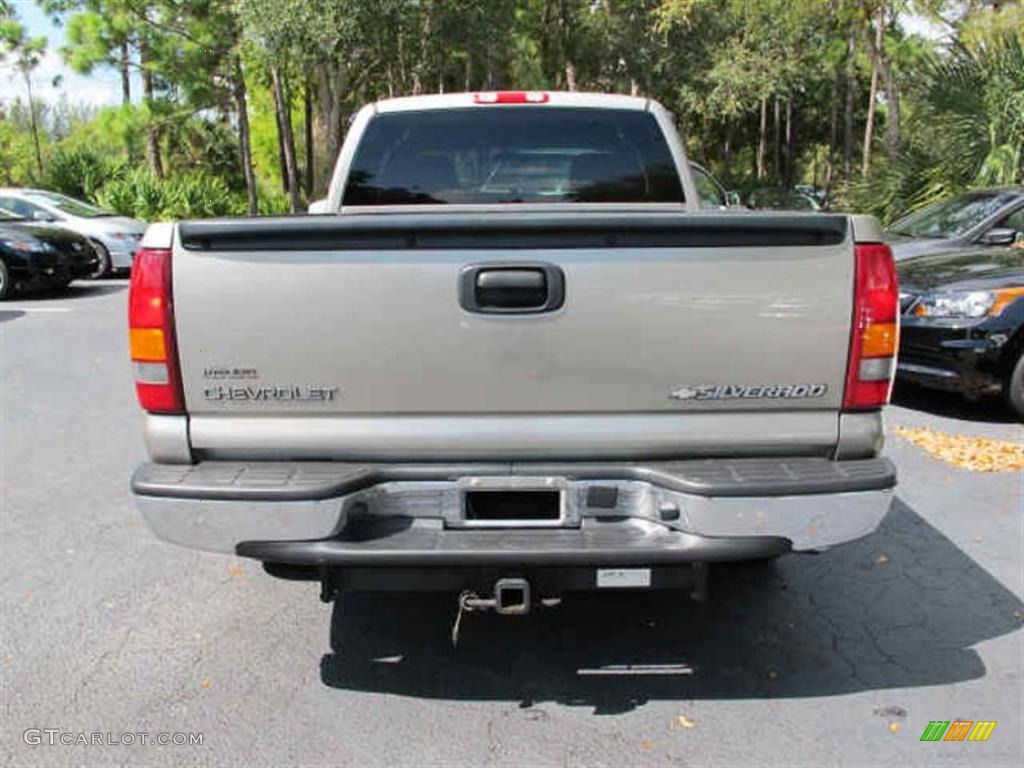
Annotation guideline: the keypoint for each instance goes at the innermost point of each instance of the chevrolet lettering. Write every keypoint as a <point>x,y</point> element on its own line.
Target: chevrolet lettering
<point>269,394</point>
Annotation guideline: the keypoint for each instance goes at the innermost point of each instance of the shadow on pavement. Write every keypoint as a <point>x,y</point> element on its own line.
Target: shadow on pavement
<point>804,626</point>
<point>952,405</point>
<point>10,314</point>
<point>75,290</point>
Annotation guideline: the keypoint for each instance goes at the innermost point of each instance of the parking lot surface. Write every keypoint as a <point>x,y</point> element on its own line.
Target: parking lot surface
<point>842,658</point>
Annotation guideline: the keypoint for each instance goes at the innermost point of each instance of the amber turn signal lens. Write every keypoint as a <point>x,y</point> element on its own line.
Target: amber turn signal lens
<point>147,344</point>
<point>1005,296</point>
<point>879,340</point>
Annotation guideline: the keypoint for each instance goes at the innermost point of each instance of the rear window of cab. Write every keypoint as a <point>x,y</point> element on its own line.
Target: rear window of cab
<point>512,155</point>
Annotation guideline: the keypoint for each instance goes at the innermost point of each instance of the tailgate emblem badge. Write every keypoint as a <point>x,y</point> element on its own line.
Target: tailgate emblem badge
<point>749,392</point>
<point>292,394</point>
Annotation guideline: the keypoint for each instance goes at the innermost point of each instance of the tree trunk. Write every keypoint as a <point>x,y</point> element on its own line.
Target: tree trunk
<point>892,123</point>
<point>33,122</point>
<point>126,76</point>
<point>833,130</point>
<point>790,145</point>
<point>777,142</point>
<point>282,166</point>
<point>762,140</point>
<point>331,85</point>
<point>884,66</point>
<point>869,127</point>
<point>307,126</point>
<point>284,126</point>
<point>727,155</point>
<point>851,86</point>
<point>242,108</point>
<point>420,70</point>
<point>565,24</point>
<point>547,22</point>
<point>152,129</point>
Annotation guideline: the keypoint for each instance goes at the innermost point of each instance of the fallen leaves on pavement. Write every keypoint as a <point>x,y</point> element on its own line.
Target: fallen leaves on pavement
<point>682,721</point>
<point>977,454</point>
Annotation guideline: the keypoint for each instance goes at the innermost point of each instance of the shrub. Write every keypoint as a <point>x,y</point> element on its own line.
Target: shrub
<point>196,195</point>
<point>142,195</point>
<point>137,193</point>
<point>80,171</point>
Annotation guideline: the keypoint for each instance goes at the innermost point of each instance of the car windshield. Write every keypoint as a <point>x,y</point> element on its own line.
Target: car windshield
<point>6,215</point>
<point>512,155</point>
<point>68,205</point>
<point>952,217</point>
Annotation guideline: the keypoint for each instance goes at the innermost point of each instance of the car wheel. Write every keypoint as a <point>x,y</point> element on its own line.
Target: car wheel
<point>6,288</point>
<point>1013,388</point>
<point>104,266</point>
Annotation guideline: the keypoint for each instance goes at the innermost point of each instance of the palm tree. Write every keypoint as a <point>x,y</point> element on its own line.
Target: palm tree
<point>965,129</point>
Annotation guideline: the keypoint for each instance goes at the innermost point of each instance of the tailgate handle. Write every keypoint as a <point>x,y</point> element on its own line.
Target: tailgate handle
<point>511,288</point>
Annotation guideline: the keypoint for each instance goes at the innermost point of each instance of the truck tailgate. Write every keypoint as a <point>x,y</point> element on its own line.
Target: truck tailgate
<point>674,329</point>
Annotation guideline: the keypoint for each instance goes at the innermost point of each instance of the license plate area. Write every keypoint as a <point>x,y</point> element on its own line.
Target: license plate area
<point>512,506</point>
<point>512,503</point>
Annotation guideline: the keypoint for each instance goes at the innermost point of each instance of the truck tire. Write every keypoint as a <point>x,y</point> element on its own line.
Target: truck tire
<point>1013,388</point>
<point>6,288</point>
<point>104,266</point>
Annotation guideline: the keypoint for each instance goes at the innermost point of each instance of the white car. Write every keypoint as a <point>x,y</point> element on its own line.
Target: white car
<point>116,238</point>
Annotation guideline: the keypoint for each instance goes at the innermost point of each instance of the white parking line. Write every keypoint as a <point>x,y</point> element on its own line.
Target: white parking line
<point>37,309</point>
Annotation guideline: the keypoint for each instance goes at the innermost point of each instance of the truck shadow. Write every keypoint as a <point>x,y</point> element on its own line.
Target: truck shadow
<point>901,608</point>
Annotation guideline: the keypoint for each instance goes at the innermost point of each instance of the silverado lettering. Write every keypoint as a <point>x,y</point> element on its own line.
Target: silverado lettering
<point>734,392</point>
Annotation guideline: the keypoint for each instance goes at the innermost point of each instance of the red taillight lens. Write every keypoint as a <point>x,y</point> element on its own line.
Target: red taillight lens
<point>510,97</point>
<point>151,333</point>
<point>875,338</point>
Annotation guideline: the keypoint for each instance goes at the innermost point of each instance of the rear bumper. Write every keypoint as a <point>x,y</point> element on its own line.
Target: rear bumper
<point>396,515</point>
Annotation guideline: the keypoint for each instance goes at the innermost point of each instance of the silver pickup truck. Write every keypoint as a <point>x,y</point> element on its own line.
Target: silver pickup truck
<point>514,359</point>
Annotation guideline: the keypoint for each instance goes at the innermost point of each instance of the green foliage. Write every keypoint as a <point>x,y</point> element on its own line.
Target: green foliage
<point>967,130</point>
<point>114,131</point>
<point>17,161</point>
<point>80,171</point>
<point>191,195</point>
<point>718,64</point>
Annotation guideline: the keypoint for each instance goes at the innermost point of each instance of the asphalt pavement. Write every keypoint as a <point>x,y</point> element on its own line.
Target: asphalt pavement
<point>841,658</point>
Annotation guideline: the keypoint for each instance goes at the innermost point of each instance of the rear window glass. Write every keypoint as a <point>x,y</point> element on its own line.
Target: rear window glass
<point>513,155</point>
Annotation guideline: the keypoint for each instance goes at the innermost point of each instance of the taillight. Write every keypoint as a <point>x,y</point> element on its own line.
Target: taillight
<point>151,333</point>
<point>875,337</point>
<point>510,97</point>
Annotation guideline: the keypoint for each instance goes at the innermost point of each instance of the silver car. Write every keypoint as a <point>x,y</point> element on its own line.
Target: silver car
<point>116,238</point>
<point>983,217</point>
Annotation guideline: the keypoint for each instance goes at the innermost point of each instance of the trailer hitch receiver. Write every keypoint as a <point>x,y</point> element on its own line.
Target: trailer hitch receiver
<point>512,596</point>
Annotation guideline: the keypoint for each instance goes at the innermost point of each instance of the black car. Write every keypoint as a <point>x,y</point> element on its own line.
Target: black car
<point>33,256</point>
<point>963,323</point>
<point>976,219</point>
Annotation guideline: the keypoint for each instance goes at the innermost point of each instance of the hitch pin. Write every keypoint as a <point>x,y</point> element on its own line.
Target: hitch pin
<point>468,601</point>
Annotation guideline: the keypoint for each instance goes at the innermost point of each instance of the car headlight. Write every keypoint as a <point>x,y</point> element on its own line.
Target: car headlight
<point>966,304</point>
